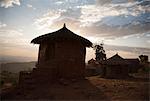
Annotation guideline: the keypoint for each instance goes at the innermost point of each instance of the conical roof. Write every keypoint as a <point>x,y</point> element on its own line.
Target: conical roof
<point>116,57</point>
<point>61,34</point>
<point>115,60</point>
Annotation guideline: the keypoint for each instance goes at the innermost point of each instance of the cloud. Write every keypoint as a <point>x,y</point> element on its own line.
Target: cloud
<point>107,18</point>
<point>148,41</point>
<point>100,29</point>
<point>128,11</point>
<point>92,13</point>
<point>102,2</point>
<point>126,52</point>
<point>47,19</point>
<point>9,3</point>
<point>52,20</point>
<point>2,25</point>
<point>71,13</point>
<point>115,19</point>
<point>30,6</point>
<point>136,50</point>
<point>16,51</point>
<point>12,38</point>
<point>14,43</point>
<point>9,33</point>
<point>147,34</point>
<point>59,2</point>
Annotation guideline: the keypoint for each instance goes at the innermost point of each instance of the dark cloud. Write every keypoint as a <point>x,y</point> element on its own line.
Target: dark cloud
<point>103,30</point>
<point>132,17</point>
<point>144,2</point>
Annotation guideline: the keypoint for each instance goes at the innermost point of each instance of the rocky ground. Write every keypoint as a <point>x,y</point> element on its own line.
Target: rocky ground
<point>92,88</point>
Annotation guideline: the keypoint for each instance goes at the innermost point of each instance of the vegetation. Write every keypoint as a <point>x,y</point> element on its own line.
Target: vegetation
<point>99,52</point>
<point>8,77</point>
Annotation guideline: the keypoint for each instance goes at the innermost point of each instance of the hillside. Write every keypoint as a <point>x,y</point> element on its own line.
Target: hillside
<point>16,67</point>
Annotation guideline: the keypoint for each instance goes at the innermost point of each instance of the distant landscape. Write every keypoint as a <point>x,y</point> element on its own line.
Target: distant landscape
<point>9,72</point>
<point>16,67</point>
<point>10,59</point>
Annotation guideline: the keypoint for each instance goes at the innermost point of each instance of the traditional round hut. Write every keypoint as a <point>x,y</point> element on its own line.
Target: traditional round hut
<point>61,55</point>
<point>115,67</point>
<point>134,65</point>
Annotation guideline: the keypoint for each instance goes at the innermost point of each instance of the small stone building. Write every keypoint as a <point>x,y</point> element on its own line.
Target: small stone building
<point>115,67</point>
<point>92,62</point>
<point>61,55</point>
<point>91,67</point>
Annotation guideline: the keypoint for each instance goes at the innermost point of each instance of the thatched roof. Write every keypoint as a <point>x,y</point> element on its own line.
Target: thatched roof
<point>115,60</point>
<point>61,34</point>
<point>133,61</point>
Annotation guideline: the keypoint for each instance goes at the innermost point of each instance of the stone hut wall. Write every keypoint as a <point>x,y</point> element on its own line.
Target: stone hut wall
<point>26,80</point>
<point>62,59</point>
<point>71,59</point>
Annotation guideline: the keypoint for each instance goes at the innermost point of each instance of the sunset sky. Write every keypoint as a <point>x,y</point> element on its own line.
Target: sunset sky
<point>123,25</point>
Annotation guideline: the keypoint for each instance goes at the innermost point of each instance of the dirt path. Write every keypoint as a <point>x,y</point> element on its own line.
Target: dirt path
<point>132,89</point>
<point>92,88</point>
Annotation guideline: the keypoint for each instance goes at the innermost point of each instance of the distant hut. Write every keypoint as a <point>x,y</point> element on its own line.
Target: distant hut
<point>92,67</point>
<point>92,62</point>
<point>61,55</point>
<point>115,67</point>
<point>134,65</point>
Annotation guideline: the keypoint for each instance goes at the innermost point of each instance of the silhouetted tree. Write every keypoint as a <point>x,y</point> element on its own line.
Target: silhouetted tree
<point>143,58</point>
<point>100,52</point>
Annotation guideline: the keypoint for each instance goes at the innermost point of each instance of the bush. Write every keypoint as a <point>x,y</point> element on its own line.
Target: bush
<point>8,77</point>
<point>146,69</point>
